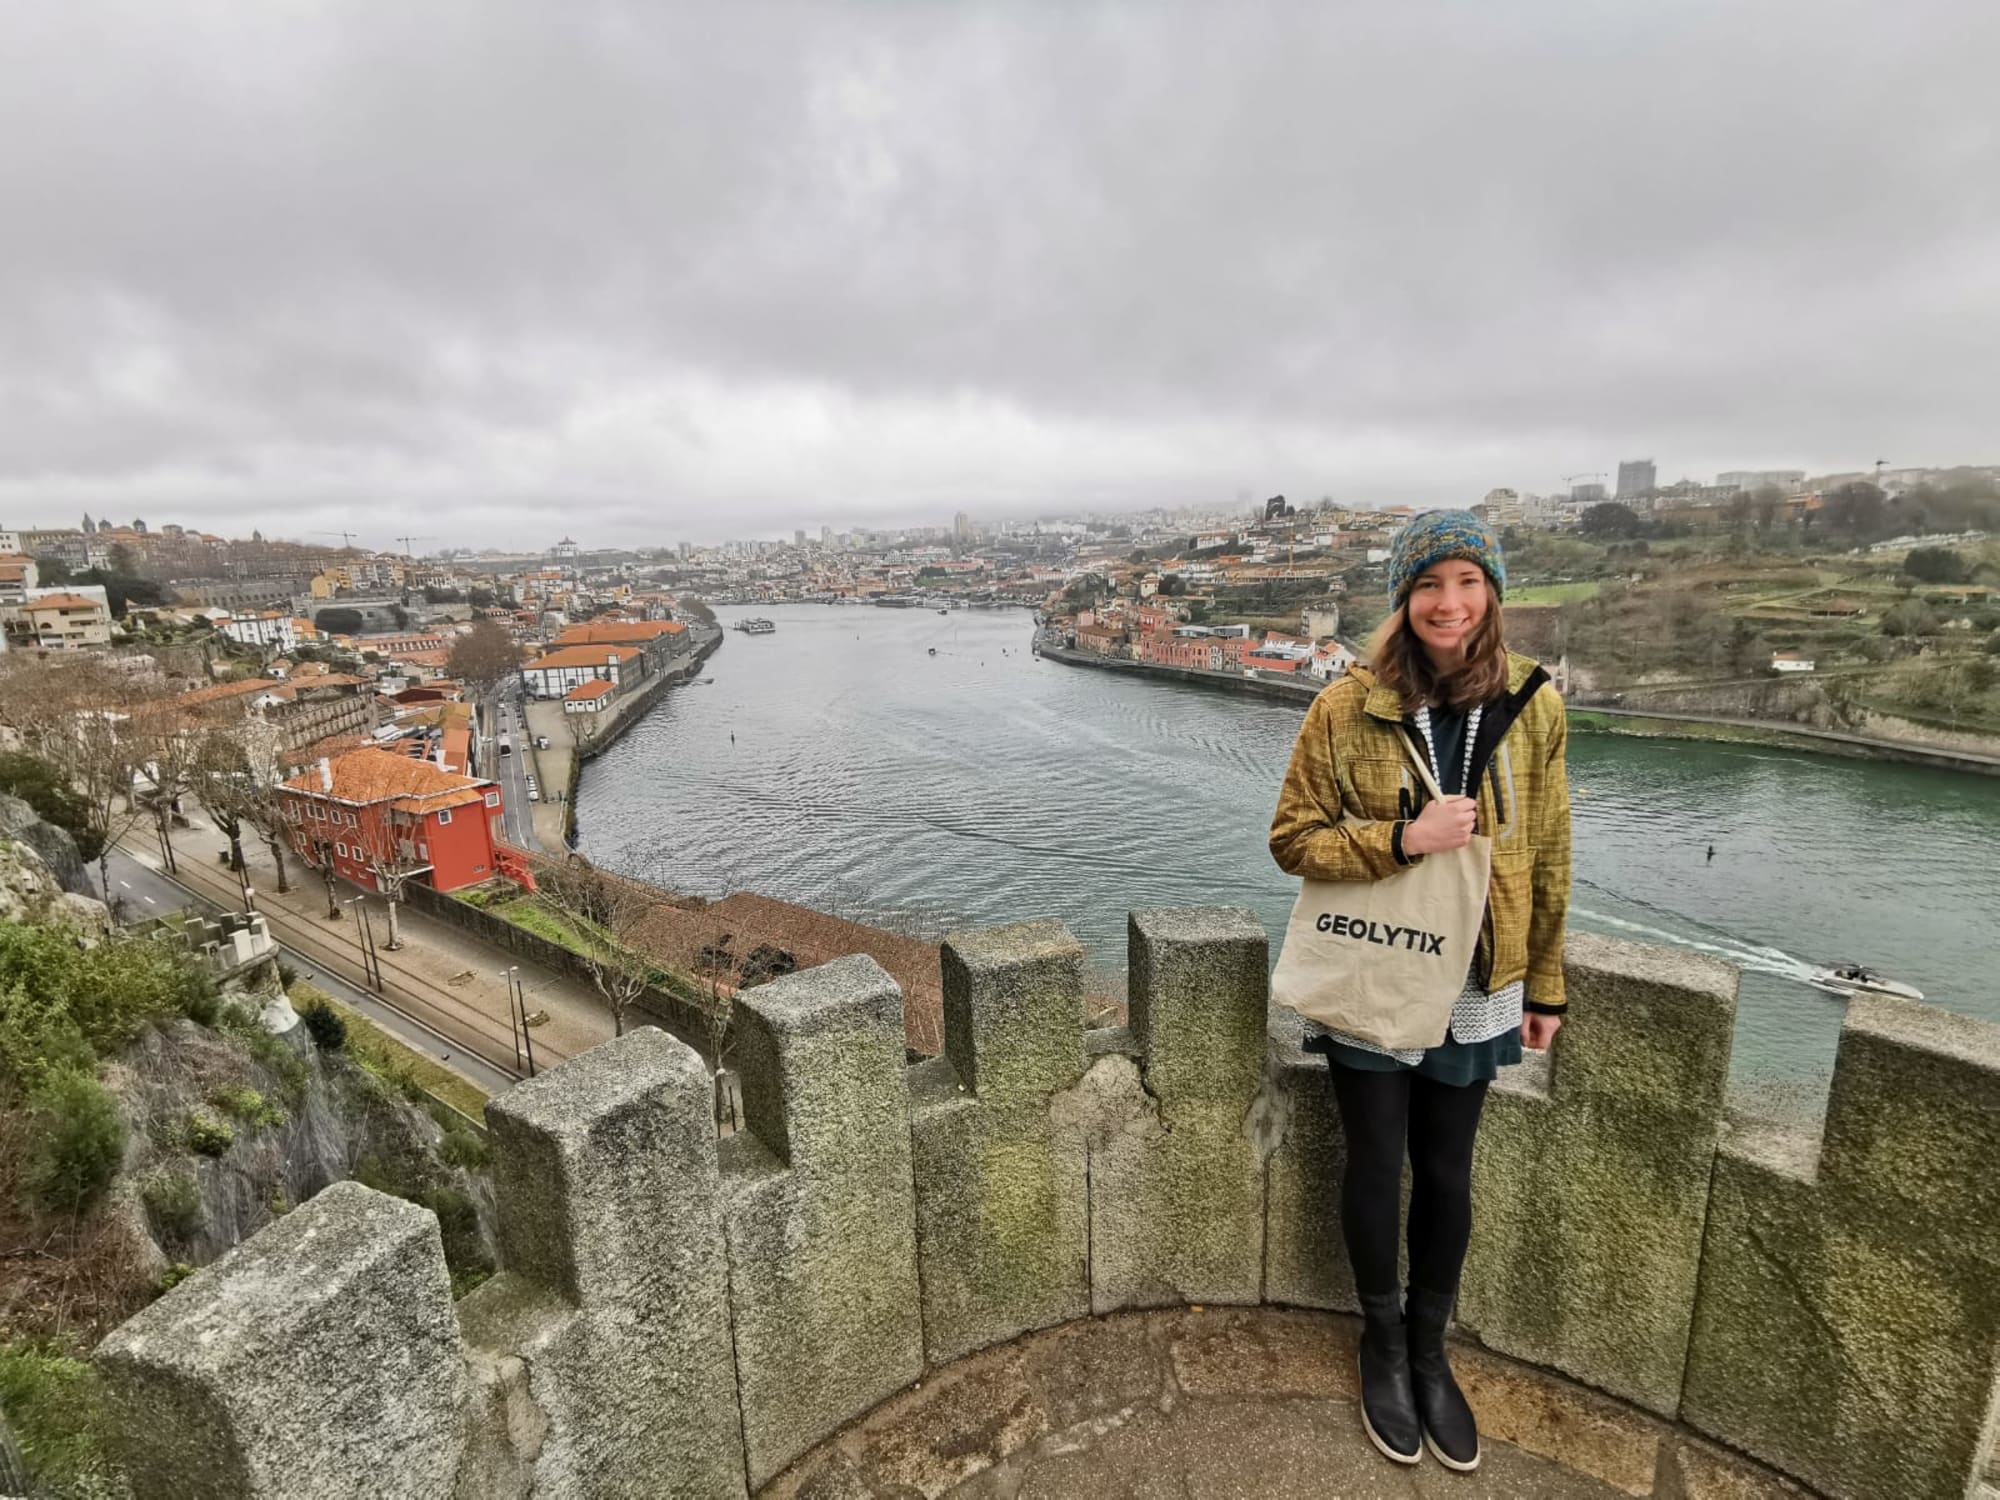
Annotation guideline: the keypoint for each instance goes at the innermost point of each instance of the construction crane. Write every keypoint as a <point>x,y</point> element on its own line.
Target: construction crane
<point>346,538</point>
<point>406,540</point>
<point>1573,478</point>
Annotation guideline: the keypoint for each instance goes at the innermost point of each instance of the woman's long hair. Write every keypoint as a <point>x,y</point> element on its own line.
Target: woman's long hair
<point>1402,665</point>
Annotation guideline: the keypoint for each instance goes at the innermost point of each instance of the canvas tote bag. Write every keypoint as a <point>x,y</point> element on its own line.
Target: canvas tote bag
<point>1385,960</point>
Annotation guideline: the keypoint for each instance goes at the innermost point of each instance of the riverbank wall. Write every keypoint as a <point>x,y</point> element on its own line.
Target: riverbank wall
<point>1645,723</point>
<point>1823,1301</point>
<point>1933,749</point>
<point>1259,685</point>
<point>635,708</point>
<point>560,767</point>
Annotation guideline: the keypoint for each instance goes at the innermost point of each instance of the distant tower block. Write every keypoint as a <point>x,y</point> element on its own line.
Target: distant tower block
<point>1636,476</point>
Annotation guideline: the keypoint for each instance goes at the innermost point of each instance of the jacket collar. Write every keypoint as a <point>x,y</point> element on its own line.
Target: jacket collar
<point>1382,702</point>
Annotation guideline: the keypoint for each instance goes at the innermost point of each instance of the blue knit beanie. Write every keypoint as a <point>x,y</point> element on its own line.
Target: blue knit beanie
<point>1438,536</point>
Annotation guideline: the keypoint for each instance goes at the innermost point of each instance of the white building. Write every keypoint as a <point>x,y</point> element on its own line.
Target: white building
<point>553,675</point>
<point>564,548</point>
<point>1787,480</point>
<point>591,697</point>
<point>18,578</point>
<point>65,620</point>
<point>1790,661</point>
<point>1330,660</point>
<point>10,543</point>
<point>272,628</point>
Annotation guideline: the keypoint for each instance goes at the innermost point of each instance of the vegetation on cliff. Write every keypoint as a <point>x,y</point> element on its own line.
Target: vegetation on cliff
<point>150,1119</point>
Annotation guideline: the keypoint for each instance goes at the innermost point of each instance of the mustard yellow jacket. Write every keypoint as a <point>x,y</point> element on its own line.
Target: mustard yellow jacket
<point>1351,788</point>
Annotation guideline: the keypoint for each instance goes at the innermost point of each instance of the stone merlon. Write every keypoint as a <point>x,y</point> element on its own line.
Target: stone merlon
<point>684,1316</point>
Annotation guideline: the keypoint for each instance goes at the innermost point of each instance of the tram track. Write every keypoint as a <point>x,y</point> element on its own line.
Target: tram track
<point>414,997</point>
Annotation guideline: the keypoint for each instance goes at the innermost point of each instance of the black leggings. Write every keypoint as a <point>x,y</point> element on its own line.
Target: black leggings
<point>1381,1112</point>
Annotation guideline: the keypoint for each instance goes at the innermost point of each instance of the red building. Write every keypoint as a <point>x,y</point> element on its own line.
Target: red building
<point>373,810</point>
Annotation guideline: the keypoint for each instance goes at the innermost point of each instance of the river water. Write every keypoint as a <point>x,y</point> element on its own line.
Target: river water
<point>927,769</point>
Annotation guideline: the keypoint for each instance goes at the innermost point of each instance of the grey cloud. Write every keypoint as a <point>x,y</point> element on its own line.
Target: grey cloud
<point>682,270</point>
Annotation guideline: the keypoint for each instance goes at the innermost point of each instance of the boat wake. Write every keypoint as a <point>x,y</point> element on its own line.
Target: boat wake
<point>1756,958</point>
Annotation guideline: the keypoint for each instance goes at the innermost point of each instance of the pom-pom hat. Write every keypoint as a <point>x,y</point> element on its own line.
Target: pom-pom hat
<point>1439,536</point>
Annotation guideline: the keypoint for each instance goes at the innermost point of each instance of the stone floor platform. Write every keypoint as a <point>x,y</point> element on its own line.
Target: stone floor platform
<point>1258,1403</point>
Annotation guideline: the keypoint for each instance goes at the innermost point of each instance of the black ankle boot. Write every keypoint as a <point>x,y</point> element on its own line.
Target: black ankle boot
<point>1449,1429</point>
<point>1388,1404</point>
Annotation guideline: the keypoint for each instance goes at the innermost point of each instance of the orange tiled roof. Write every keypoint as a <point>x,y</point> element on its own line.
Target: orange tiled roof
<point>583,656</point>
<point>618,632</point>
<point>216,692</point>
<point>371,775</point>
<point>583,692</point>
<point>63,601</point>
<point>332,745</point>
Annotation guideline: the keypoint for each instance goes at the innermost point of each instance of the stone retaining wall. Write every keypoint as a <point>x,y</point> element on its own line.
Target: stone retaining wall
<point>682,1318</point>
<point>683,1018</point>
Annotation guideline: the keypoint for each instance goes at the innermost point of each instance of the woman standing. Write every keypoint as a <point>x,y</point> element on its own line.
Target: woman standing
<point>1443,686</point>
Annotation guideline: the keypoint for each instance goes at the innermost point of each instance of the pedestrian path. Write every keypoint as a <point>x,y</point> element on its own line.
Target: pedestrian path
<point>449,980</point>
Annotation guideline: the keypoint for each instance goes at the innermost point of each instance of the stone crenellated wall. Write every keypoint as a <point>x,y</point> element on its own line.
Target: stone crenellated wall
<point>682,1318</point>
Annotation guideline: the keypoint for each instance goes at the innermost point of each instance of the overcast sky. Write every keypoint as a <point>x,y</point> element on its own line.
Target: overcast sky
<point>490,272</point>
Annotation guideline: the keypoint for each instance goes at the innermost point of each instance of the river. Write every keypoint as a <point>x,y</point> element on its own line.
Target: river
<point>923,765</point>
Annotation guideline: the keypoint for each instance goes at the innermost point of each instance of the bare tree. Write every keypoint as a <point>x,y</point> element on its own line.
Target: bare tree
<point>319,856</point>
<point>222,785</point>
<point>227,790</point>
<point>171,749</point>
<point>265,810</point>
<point>103,760</point>
<point>603,913</point>
<point>40,696</point>
<point>483,658</point>
<point>387,840</point>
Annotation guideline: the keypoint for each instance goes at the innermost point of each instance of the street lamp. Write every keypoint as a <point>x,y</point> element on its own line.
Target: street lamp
<point>364,937</point>
<point>513,1017</point>
<point>519,998</point>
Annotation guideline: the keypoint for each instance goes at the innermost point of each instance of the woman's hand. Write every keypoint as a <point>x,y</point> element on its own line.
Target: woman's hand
<point>1538,1030</point>
<point>1445,823</point>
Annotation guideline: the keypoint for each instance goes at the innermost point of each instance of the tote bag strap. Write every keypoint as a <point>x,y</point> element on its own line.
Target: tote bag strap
<point>1424,771</point>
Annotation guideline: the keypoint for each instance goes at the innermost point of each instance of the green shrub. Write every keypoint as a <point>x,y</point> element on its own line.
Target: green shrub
<point>324,1026</point>
<point>174,1275</point>
<point>38,1036</point>
<point>61,1006</point>
<point>205,1135</point>
<point>54,1406</point>
<point>247,1105</point>
<point>173,1202</point>
<point>461,1148</point>
<point>78,1139</point>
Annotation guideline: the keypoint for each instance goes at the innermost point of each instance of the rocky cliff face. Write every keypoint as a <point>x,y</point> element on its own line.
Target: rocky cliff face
<point>55,848</point>
<point>33,885</point>
<point>233,1126</point>
<point>232,1120</point>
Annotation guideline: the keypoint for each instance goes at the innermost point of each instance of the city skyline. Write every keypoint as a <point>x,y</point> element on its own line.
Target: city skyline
<point>693,274</point>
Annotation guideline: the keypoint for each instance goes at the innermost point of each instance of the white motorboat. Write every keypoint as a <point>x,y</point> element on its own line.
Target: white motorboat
<point>1855,979</point>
